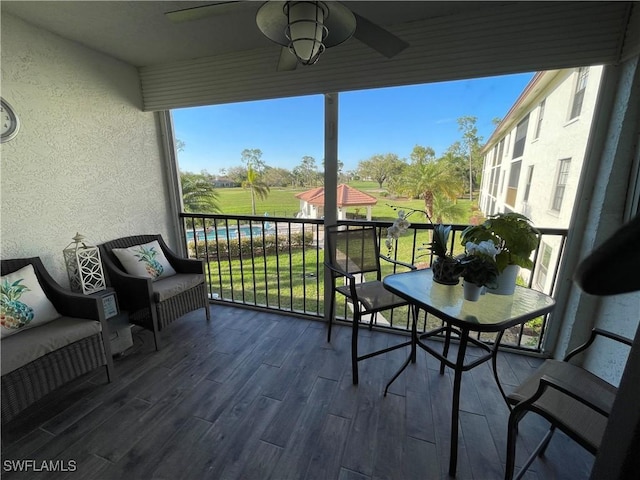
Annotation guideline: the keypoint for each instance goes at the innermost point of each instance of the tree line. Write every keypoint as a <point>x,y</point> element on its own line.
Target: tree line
<point>438,181</point>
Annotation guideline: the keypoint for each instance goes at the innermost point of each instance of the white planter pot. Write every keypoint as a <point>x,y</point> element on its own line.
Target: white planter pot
<point>472,292</point>
<point>506,281</point>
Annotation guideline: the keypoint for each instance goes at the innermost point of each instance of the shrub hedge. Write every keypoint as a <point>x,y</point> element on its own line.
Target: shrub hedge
<point>247,246</point>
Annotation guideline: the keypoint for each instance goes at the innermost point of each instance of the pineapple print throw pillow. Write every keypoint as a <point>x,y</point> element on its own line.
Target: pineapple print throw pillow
<point>146,260</point>
<point>23,304</point>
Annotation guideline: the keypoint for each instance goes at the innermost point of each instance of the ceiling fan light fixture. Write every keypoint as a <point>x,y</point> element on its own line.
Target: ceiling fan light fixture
<point>306,30</point>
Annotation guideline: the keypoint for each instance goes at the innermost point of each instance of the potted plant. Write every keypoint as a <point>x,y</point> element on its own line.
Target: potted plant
<point>446,268</point>
<point>515,237</point>
<point>479,268</point>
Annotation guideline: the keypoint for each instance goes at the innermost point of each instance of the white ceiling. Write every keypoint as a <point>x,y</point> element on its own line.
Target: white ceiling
<point>223,57</point>
<point>139,33</point>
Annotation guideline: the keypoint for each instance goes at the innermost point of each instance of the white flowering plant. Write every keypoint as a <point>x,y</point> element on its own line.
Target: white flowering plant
<point>399,227</point>
<point>440,234</point>
<point>512,232</point>
<point>486,247</point>
<point>479,262</point>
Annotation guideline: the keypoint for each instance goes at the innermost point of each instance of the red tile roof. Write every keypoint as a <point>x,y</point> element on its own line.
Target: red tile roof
<point>310,195</point>
<point>346,196</point>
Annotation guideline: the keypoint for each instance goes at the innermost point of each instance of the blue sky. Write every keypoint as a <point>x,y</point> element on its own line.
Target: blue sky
<point>378,121</point>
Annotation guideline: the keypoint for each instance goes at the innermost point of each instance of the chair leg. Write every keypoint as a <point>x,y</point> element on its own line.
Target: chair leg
<point>332,306</point>
<point>445,351</point>
<point>514,419</point>
<point>354,342</point>
<point>156,339</point>
<point>156,329</point>
<point>545,442</point>
<point>414,331</point>
<point>207,311</point>
<point>538,451</point>
<point>512,434</point>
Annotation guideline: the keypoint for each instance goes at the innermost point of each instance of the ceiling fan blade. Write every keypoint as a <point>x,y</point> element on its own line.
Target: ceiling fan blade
<point>204,11</point>
<point>287,61</point>
<point>378,38</point>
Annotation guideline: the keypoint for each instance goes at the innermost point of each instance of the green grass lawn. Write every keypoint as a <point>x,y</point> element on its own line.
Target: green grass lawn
<point>295,283</point>
<point>291,283</point>
<point>281,202</point>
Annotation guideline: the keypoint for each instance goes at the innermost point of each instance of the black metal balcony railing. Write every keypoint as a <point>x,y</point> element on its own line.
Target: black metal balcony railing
<point>277,263</point>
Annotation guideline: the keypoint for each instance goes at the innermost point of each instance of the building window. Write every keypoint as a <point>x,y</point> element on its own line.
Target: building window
<point>540,118</point>
<point>561,184</point>
<point>512,186</point>
<point>495,175</point>
<point>500,151</point>
<point>527,188</point>
<point>578,96</point>
<point>543,266</point>
<point>485,180</point>
<point>521,137</point>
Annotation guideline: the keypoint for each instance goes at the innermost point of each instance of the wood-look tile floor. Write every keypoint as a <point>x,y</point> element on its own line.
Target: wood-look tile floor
<point>255,395</point>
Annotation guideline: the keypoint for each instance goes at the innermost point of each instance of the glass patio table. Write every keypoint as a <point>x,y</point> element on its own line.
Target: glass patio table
<point>492,314</point>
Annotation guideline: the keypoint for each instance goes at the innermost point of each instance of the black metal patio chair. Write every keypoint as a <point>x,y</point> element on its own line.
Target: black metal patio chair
<point>571,398</point>
<point>352,253</point>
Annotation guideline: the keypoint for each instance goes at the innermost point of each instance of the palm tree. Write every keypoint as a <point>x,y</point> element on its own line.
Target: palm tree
<point>256,186</point>
<point>427,179</point>
<point>446,208</point>
<point>198,194</point>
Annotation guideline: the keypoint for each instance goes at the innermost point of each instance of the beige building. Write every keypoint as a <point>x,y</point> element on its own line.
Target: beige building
<point>534,158</point>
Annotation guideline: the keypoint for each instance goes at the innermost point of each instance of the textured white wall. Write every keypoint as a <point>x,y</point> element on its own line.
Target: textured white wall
<point>87,158</point>
<point>618,314</point>
<point>599,215</point>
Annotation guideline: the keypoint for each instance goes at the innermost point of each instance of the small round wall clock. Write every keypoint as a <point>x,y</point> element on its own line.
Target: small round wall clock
<point>10,124</point>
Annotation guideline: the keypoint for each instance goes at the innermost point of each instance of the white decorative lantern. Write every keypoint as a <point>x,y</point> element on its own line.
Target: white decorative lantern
<point>84,266</point>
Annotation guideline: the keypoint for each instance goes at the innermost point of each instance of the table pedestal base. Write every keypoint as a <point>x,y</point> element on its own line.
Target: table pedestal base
<point>458,366</point>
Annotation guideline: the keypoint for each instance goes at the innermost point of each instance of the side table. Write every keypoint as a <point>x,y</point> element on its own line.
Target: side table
<point>120,333</point>
<point>119,326</point>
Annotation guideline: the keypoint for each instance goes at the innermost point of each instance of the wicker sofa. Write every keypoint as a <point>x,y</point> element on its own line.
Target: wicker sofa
<point>38,360</point>
<point>155,304</point>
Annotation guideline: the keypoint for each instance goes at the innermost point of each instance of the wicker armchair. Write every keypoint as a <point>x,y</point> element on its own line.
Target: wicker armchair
<point>142,297</point>
<point>32,381</point>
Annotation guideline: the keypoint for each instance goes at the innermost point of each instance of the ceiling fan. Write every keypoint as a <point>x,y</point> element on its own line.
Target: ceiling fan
<point>304,28</point>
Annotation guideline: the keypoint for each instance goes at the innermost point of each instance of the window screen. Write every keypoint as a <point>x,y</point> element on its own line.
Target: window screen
<point>521,137</point>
